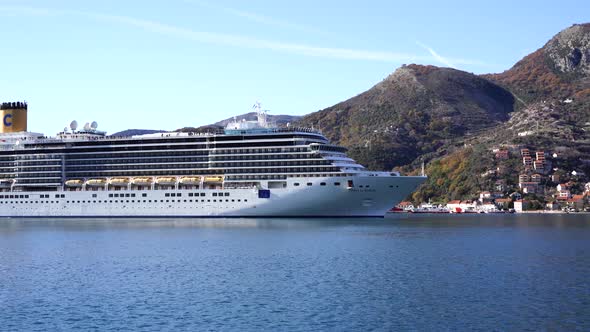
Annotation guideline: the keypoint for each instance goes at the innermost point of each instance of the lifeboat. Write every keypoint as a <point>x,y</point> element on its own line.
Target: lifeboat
<point>190,180</point>
<point>214,179</point>
<point>119,182</point>
<point>166,180</point>
<point>96,182</point>
<point>74,183</point>
<point>142,180</point>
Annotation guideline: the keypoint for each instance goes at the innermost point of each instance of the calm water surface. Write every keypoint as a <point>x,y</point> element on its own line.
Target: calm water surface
<point>426,273</point>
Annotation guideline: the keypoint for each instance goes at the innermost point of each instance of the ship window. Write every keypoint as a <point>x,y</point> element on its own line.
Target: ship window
<point>62,196</point>
<point>226,194</point>
<point>245,200</point>
<point>167,194</point>
<point>22,196</point>
<point>322,184</point>
<point>309,183</point>
<point>132,195</point>
<point>56,196</point>
<point>110,195</point>
<point>94,195</point>
<point>208,200</point>
<point>127,195</point>
<point>178,195</point>
<point>144,195</point>
<point>167,201</point>
<point>173,194</point>
<point>202,194</point>
<point>190,194</point>
<point>336,183</point>
<point>296,184</point>
<point>214,194</point>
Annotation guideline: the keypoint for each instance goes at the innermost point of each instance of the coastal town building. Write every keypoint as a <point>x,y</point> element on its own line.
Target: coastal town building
<point>552,206</point>
<point>520,205</point>
<point>405,205</point>
<point>536,178</point>
<point>527,162</point>
<point>487,207</point>
<point>564,194</point>
<point>500,185</point>
<point>502,154</point>
<point>457,206</point>
<point>530,187</point>
<point>576,202</point>
<point>485,195</point>
<point>503,203</point>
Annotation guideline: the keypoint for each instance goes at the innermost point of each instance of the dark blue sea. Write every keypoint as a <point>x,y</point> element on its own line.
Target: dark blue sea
<point>442,273</point>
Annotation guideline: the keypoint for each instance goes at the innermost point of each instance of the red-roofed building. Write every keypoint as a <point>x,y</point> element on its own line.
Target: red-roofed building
<point>576,202</point>
<point>502,154</point>
<point>502,203</point>
<point>527,161</point>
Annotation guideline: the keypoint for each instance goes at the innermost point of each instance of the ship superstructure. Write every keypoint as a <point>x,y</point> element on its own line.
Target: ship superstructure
<point>252,168</point>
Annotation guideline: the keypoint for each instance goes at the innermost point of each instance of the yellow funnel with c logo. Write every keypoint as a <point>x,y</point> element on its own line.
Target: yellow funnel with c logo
<point>13,117</point>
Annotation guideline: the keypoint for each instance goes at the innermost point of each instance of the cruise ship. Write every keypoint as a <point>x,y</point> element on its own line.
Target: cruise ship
<point>249,169</point>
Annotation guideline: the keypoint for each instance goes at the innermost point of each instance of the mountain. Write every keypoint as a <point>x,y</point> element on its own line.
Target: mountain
<point>414,111</point>
<point>132,132</point>
<point>453,120</point>
<point>280,120</point>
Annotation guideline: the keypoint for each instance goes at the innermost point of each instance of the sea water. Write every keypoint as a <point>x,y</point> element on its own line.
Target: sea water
<point>503,272</point>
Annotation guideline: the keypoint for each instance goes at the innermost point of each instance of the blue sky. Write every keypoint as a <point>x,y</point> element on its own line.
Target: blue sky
<point>169,64</point>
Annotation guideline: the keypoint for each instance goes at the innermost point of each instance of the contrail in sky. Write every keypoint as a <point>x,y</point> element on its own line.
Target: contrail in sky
<point>242,41</point>
<point>437,56</point>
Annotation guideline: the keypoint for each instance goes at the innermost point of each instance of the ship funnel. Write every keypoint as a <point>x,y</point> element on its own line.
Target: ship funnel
<point>13,116</point>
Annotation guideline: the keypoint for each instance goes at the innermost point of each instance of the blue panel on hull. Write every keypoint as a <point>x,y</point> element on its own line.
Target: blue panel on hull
<point>263,193</point>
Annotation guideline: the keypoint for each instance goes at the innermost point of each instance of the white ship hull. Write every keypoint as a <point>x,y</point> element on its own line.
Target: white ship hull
<point>370,196</point>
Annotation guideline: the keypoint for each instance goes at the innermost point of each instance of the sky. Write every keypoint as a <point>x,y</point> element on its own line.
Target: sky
<point>170,64</point>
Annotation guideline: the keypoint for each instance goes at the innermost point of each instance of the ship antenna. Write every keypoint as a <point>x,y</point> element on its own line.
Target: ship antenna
<point>423,173</point>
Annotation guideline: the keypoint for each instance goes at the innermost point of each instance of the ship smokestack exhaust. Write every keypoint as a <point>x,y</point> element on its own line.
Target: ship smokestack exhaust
<point>13,117</point>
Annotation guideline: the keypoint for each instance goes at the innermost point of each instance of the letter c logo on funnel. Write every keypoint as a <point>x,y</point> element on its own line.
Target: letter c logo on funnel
<point>8,120</point>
